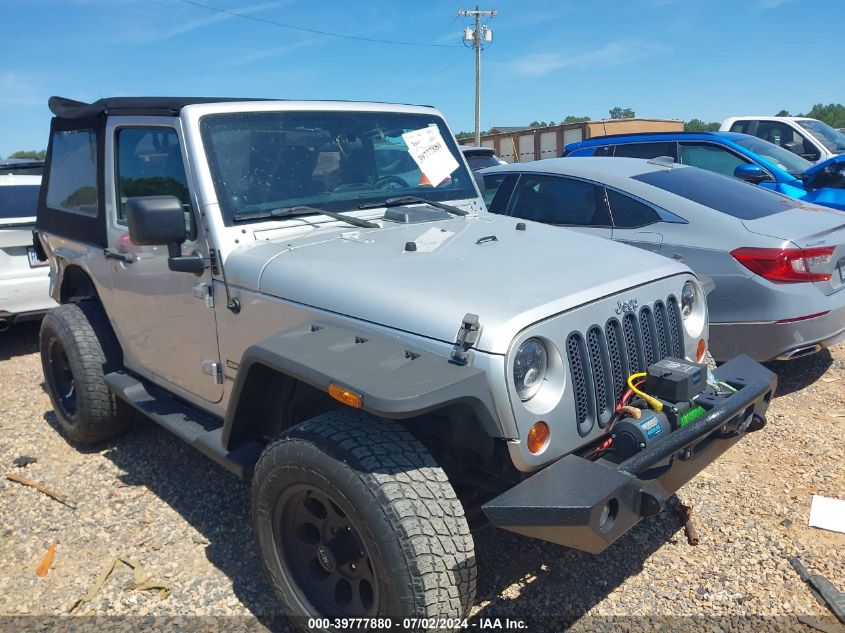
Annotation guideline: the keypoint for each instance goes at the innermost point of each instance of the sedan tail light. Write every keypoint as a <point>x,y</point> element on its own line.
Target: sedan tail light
<point>786,265</point>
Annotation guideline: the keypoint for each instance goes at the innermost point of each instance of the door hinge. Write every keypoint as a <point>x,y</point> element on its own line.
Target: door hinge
<point>206,292</point>
<point>467,336</point>
<point>212,260</point>
<point>212,368</point>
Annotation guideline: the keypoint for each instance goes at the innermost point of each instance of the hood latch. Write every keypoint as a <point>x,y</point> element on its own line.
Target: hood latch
<point>467,336</point>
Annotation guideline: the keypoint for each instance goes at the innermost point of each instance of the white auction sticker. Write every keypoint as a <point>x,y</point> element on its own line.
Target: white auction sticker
<point>429,151</point>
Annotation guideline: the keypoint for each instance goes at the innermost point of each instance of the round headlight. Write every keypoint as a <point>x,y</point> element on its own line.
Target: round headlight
<point>688,296</point>
<point>529,368</point>
<point>693,309</point>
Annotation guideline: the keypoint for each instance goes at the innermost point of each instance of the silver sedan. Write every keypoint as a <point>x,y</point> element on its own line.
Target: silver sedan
<point>778,264</point>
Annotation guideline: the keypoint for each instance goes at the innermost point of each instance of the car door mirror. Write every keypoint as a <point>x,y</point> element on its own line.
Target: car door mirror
<point>751,173</point>
<point>156,220</point>
<point>160,221</point>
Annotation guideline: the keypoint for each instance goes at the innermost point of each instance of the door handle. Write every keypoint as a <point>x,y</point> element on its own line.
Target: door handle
<point>126,258</point>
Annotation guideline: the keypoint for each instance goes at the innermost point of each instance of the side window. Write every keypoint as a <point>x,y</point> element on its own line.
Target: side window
<point>149,163</point>
<point>741,127</point>
<point>629,213</point>
<point>73,172</point>
<point>497,191</point>
<point>785,136</point>
<point>491,186</point>
<point>709,157</point>
<point>775,132</point>
<point>558,200</point>
<point>646,150</point>
<point>604,150</point>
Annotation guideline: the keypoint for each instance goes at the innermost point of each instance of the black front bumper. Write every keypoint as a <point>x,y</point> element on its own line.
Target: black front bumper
<point>587,505</point>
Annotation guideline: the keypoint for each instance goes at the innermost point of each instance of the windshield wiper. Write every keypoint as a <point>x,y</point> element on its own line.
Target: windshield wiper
<point>404,201</point>
<point>303,210</point>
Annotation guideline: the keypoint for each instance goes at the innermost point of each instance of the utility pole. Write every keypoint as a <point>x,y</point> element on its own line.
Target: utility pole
<point>479,39</point>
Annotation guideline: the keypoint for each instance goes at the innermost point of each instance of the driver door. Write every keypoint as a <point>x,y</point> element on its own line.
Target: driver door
<point>165,323</point>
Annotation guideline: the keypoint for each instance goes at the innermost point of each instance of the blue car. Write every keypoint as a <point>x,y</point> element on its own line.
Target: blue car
<point>745,157</point>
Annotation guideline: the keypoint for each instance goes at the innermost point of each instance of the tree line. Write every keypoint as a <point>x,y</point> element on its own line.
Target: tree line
<point>30,154</point>
<point>833,114</point>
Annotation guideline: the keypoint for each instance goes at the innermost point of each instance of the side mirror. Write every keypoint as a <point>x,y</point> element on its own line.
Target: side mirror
<point>159,221</point>
<point>751,173</point>
<point>156,220</point>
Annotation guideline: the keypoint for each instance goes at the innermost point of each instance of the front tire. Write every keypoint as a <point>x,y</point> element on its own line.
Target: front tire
<point>77,350</point>
<point>354,518</point>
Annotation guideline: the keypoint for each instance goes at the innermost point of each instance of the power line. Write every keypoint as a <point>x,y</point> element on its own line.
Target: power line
<point>344,36</point>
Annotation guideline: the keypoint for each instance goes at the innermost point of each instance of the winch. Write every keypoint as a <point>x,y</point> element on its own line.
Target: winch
<point>658,401</point>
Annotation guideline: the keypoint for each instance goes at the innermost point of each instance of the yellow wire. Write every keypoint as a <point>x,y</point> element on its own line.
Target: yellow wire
<point>654,402</point>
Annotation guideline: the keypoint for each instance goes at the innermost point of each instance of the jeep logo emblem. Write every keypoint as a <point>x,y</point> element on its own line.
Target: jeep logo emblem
<point>326,558</point>
<point>626,306</point>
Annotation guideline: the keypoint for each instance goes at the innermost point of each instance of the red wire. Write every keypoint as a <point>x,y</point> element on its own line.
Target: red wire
<point>609,441</point>
<point>626,396</point>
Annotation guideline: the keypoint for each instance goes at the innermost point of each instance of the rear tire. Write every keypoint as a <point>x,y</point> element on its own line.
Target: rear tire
<point>405,548</point>
<point>77,350</point>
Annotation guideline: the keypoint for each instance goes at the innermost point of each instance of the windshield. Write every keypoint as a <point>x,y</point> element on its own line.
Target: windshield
<point>781,157</point>
<point>18,201</point>
<point>335,161</point>
<point>722,193</point>
<point>831,138</point>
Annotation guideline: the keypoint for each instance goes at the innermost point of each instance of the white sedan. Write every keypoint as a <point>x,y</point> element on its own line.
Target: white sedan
<point>24,281</point>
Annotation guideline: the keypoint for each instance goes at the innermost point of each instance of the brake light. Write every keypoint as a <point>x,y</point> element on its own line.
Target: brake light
<point>786,265</point>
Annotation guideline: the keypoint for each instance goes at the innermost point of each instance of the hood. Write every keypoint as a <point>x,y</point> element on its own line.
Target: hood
<point>819,174</point>
<point>17,222</point>
<point>479,265</point>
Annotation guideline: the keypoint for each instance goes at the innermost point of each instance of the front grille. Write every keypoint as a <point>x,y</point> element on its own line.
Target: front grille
<point>601,361</point>
<point>579,365</point>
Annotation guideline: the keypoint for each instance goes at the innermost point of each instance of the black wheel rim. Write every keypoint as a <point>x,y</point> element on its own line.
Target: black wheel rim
<point>323,551</point>
<point>61,378</point>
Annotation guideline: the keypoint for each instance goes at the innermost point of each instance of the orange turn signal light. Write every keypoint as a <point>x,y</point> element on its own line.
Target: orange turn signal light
<point>701,350</point>
<point>538,437</point>
<point>346,396</point>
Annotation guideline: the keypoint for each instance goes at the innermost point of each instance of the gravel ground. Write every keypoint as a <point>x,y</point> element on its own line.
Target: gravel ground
<point>148,498</point>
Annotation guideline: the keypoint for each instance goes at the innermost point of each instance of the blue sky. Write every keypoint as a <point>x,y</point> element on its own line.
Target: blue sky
<point>663,58</point>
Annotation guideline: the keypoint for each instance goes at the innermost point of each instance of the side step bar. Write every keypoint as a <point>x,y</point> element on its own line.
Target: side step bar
<point>201,431</point>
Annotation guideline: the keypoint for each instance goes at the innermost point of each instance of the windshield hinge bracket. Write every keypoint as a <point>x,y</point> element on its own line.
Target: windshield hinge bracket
<point>467,337</point>
<point>212,368</point>
<point>206,292</point>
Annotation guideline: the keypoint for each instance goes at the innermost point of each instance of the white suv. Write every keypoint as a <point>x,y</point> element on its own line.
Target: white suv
<point>24,281</point>
<point>810,138</point>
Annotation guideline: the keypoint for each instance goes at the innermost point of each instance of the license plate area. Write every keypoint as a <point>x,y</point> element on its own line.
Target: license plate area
<point>841,267</point>
<point>34,262</point>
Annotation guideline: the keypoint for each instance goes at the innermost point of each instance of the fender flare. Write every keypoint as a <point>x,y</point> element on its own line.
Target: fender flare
<point>394,381</point>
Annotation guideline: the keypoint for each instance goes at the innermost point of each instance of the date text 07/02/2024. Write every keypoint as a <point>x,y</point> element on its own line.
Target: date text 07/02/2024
<point>414,624</point>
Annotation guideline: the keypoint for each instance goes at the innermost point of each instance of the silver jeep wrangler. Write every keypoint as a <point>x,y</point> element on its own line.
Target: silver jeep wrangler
<point>314,295</point>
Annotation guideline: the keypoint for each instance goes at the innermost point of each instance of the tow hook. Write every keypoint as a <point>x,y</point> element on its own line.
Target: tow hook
<point>684,513</point>
<point>757,422</point>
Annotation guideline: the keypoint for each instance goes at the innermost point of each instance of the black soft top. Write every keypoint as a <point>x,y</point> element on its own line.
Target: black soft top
<point>65,108</point>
